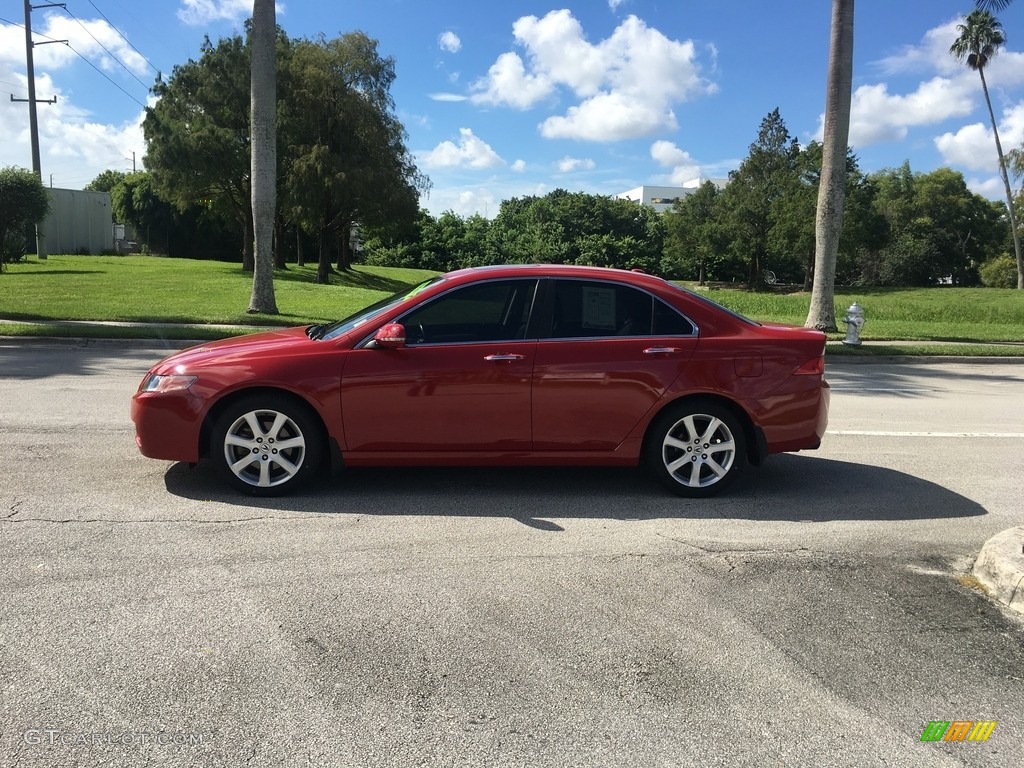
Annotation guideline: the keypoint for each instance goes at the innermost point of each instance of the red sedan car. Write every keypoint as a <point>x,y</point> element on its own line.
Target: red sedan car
<point>506,365</point>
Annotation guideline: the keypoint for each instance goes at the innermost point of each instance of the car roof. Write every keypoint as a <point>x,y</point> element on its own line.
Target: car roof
<point>636,277</point>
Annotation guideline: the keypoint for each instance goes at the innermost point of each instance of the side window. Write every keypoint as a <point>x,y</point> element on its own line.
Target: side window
<point>583,309</point>
<point>492,311</point>
<point>668,322</point>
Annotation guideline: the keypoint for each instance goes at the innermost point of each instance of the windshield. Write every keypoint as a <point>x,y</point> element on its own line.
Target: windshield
<point>328,332</point>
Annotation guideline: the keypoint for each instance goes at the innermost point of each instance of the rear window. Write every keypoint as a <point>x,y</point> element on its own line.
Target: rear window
<point>711,303</point>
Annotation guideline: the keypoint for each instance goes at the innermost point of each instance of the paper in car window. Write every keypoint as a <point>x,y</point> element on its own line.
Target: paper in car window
<point>598,307</point>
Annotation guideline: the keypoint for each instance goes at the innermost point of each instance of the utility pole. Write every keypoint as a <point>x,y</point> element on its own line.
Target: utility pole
<point>33,120</point>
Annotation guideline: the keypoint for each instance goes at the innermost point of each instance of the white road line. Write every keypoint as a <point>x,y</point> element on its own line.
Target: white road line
<point>882,433</point>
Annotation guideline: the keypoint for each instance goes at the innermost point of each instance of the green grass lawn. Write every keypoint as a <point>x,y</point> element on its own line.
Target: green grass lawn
<point>154,289</point>
<point>911,314</point>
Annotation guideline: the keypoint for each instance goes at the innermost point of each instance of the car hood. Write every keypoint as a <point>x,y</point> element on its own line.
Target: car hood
<point>233,349</point>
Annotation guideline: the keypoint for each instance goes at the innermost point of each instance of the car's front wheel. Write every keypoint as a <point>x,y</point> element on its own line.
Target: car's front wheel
<point>267,445</point>
<point>696,448</point>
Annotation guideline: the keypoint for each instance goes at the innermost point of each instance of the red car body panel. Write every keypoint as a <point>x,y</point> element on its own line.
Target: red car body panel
<point>543,402</point>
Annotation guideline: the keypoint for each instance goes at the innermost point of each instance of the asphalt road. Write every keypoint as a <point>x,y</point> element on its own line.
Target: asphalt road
<point>815,616</point>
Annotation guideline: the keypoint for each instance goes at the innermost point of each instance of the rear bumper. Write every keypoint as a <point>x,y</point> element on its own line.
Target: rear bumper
<point>799,424</point>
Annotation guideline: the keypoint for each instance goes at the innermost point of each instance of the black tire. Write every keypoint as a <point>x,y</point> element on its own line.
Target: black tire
<point>696,448</point>
<point>258,426</point>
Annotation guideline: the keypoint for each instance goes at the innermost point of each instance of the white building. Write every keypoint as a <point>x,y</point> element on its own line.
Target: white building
<point>662,198</point>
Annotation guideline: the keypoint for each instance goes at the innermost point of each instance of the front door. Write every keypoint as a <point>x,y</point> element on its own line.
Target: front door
<point>461,383</point>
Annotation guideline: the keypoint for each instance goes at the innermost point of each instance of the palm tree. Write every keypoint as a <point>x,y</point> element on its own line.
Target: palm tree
<point>828,221</point>
<point>994,5</point>
<point>981,36</point>
<point>263,142</point>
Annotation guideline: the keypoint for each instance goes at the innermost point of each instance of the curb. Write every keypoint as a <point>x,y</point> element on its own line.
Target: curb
<point>1000,567</point>
<point>82,342</point>
<point>837,360</point>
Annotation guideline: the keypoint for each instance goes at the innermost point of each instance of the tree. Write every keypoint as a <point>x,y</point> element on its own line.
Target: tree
<point>981,36</point>
<point>993,6</point>
<point>767,175</point>
<point>348,164</point>
<point>828,222</point>
<point>264,154</point>
<point>938,229</point>
<point>197,135</point>
<point>105,182</point>
<point>23,201</point>
<point>693,236</point>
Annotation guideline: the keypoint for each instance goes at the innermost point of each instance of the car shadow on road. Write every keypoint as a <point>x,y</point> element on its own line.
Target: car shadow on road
<point>788,487</point>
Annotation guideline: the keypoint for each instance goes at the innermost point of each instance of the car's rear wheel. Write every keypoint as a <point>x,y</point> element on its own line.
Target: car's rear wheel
<point>696,448</point>
<point>267,445</point>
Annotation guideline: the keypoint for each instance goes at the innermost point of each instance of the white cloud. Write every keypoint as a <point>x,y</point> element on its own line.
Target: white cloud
<point>973,146</point>
<point>569,164</point>
<point>74,146</point>
<point>519,166</point>
<point>196,13</point>
<point>667,153</point>
<point>626,83</point>
<point>609,117</point>
<point>199,12</point>
<point>88,38</point>
<point>992,187</point>
<point>684,167</point>
<point>470,152</point>
<point>449,41</point>
<point>508,83</point>
<point>932,55</point>
<point>877,115</point>
<point>484,199</point>
<point>447,97</point>
<point>614,4</point>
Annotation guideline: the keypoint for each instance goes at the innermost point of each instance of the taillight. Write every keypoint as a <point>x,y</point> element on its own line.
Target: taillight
<point>813,367</point>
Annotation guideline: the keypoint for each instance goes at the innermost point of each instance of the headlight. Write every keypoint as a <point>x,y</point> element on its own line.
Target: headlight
<point>172,383</point>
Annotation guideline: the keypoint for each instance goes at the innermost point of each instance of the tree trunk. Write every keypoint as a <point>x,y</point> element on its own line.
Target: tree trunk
<point>323,267</point>
<point>345,250</point>
<point>1006,184</point>
<point>280,256</point>
<point>247,239</point>
<point>300,253</point>
<point>828,223</point>
<point>263,143</point>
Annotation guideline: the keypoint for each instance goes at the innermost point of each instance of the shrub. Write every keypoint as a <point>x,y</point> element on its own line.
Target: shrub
<point>1000,272</point>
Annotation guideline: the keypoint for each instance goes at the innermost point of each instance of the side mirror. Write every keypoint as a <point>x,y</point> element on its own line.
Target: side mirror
<point>390,336</point>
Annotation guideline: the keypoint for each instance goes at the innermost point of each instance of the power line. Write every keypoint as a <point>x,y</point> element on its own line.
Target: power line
<point>113,27</point>
<point>105,77</point>
<point>101,45</point>
<point>83,58</point>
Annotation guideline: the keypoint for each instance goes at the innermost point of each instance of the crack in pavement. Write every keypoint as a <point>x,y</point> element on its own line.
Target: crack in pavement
<point>14,508</point>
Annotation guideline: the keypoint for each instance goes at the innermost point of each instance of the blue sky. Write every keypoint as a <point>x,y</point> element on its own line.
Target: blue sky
<point>509,99</point>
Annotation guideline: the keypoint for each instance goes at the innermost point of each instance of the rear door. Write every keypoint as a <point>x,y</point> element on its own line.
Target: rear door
<point>611,353</point>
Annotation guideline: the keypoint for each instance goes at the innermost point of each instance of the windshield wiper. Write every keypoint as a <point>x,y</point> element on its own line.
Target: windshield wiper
<point>315,331</point>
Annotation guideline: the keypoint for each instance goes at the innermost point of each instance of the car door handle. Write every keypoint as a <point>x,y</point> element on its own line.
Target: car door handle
<point>504,358</point>
<point>661,350</point>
